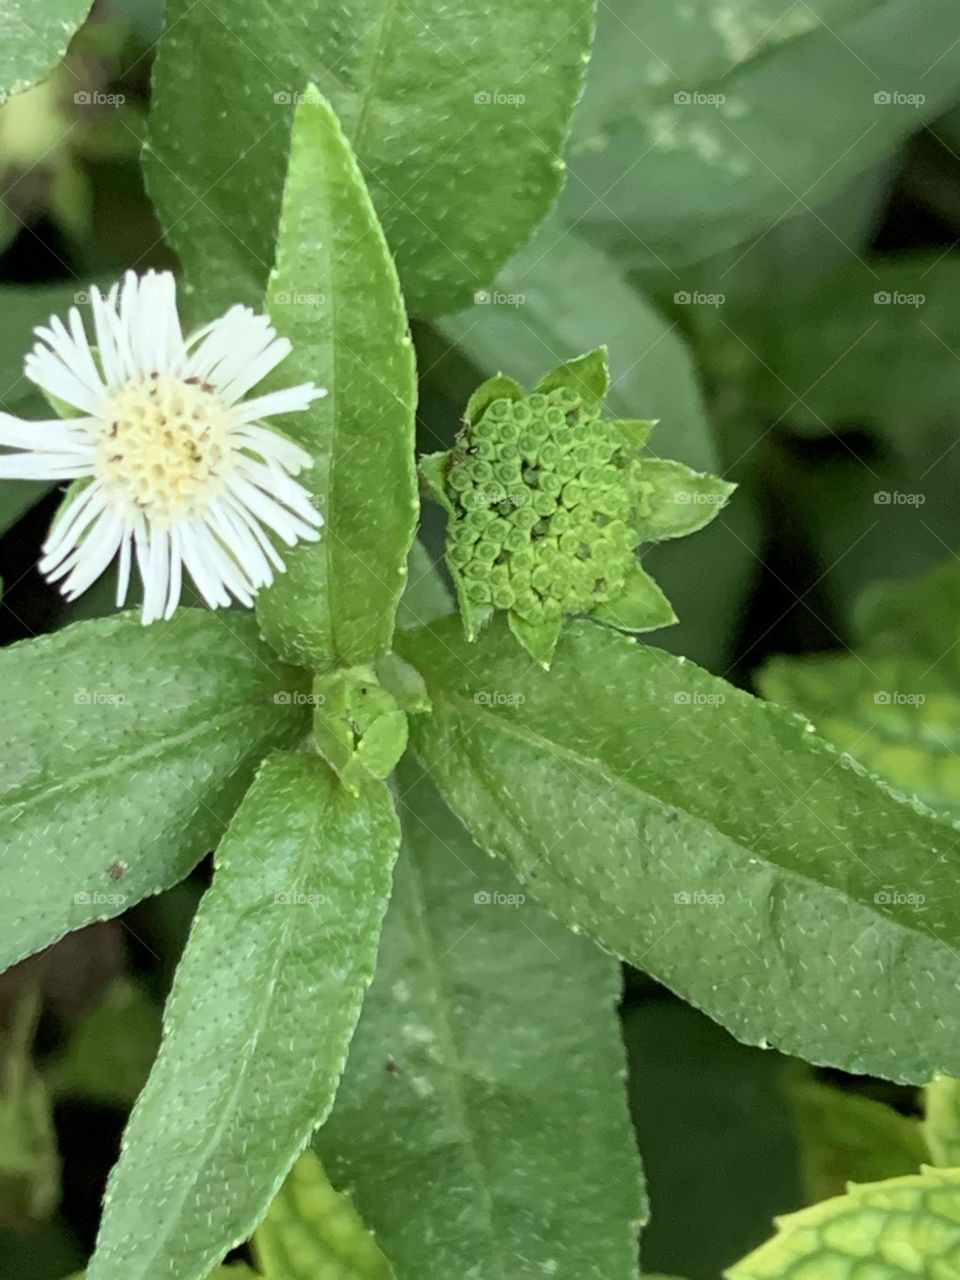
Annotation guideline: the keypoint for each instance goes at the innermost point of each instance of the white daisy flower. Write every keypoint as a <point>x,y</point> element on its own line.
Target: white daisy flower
<point>175,466</point>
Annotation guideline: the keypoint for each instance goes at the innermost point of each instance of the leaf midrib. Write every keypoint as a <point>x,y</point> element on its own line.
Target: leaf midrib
<point>442,1003</point>
<point>616,782</point>
<point>227,1108</point>
<point>122,763</point>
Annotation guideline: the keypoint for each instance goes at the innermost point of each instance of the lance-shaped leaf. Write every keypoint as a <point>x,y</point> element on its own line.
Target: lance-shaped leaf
<point>710,838</point>
<point>885,1230</point>
<point>33,39</point>
<point>256,1029</point>
<point>458,117</point>
<point>127,749</point>
<point>334,293</point>
<point>481,1124</point>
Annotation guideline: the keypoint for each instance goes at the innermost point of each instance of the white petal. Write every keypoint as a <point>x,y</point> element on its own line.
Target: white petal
<point>269,444</point>
<point>290,400</point>
<point>48,372</point>
<point>70,522</point>
<point>241,513</point>
<point>99,547</point>
<point>237,535</point>
<point>205,577</point>
<point>156,576</point>
<point>268,512</point>
<point>275,483</point>
<point>44,466</point>
<point>123,572</point>
<point>176,573</point>
<point>255,371</point>
<point>220,350</point>
<point>56,435</point>
<point>113,348</point>
<point>72,349</point>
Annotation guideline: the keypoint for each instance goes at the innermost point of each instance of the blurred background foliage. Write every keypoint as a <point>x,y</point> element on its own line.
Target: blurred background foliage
<point>778,283</point>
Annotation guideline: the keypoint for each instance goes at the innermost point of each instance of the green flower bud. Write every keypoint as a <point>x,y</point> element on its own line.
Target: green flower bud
<point>541,504</point>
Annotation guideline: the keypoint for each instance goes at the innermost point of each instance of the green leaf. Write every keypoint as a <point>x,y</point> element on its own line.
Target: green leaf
<point>588,375</point>
<point>33,39</point>
<point>311,1231</point>
<point>674,176</point>
<point>681,502</point>
<point>134,745</point>
<point>538,638</point>
<point>846,1137</point>
<point>496,388</point>
<point>481,1123</point>
<point>338,598</point>
<point>642,607</point>
<point>873,344</point>
<point>707,837</point>
<point>572,298</point>
<point>256,1029</point>
<point>885,1230</point>
<point>941,1122</point>
<point>897,714</point>
<point>108,1057</point>
<point>460,169</point>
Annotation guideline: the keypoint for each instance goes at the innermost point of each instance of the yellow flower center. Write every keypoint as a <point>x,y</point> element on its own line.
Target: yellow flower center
<point>164,447</point>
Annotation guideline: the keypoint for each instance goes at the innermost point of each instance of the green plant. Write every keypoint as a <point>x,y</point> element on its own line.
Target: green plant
<point>386,1053</point>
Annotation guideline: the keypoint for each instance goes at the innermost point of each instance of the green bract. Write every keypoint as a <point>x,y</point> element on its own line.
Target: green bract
<point>548,503</point>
